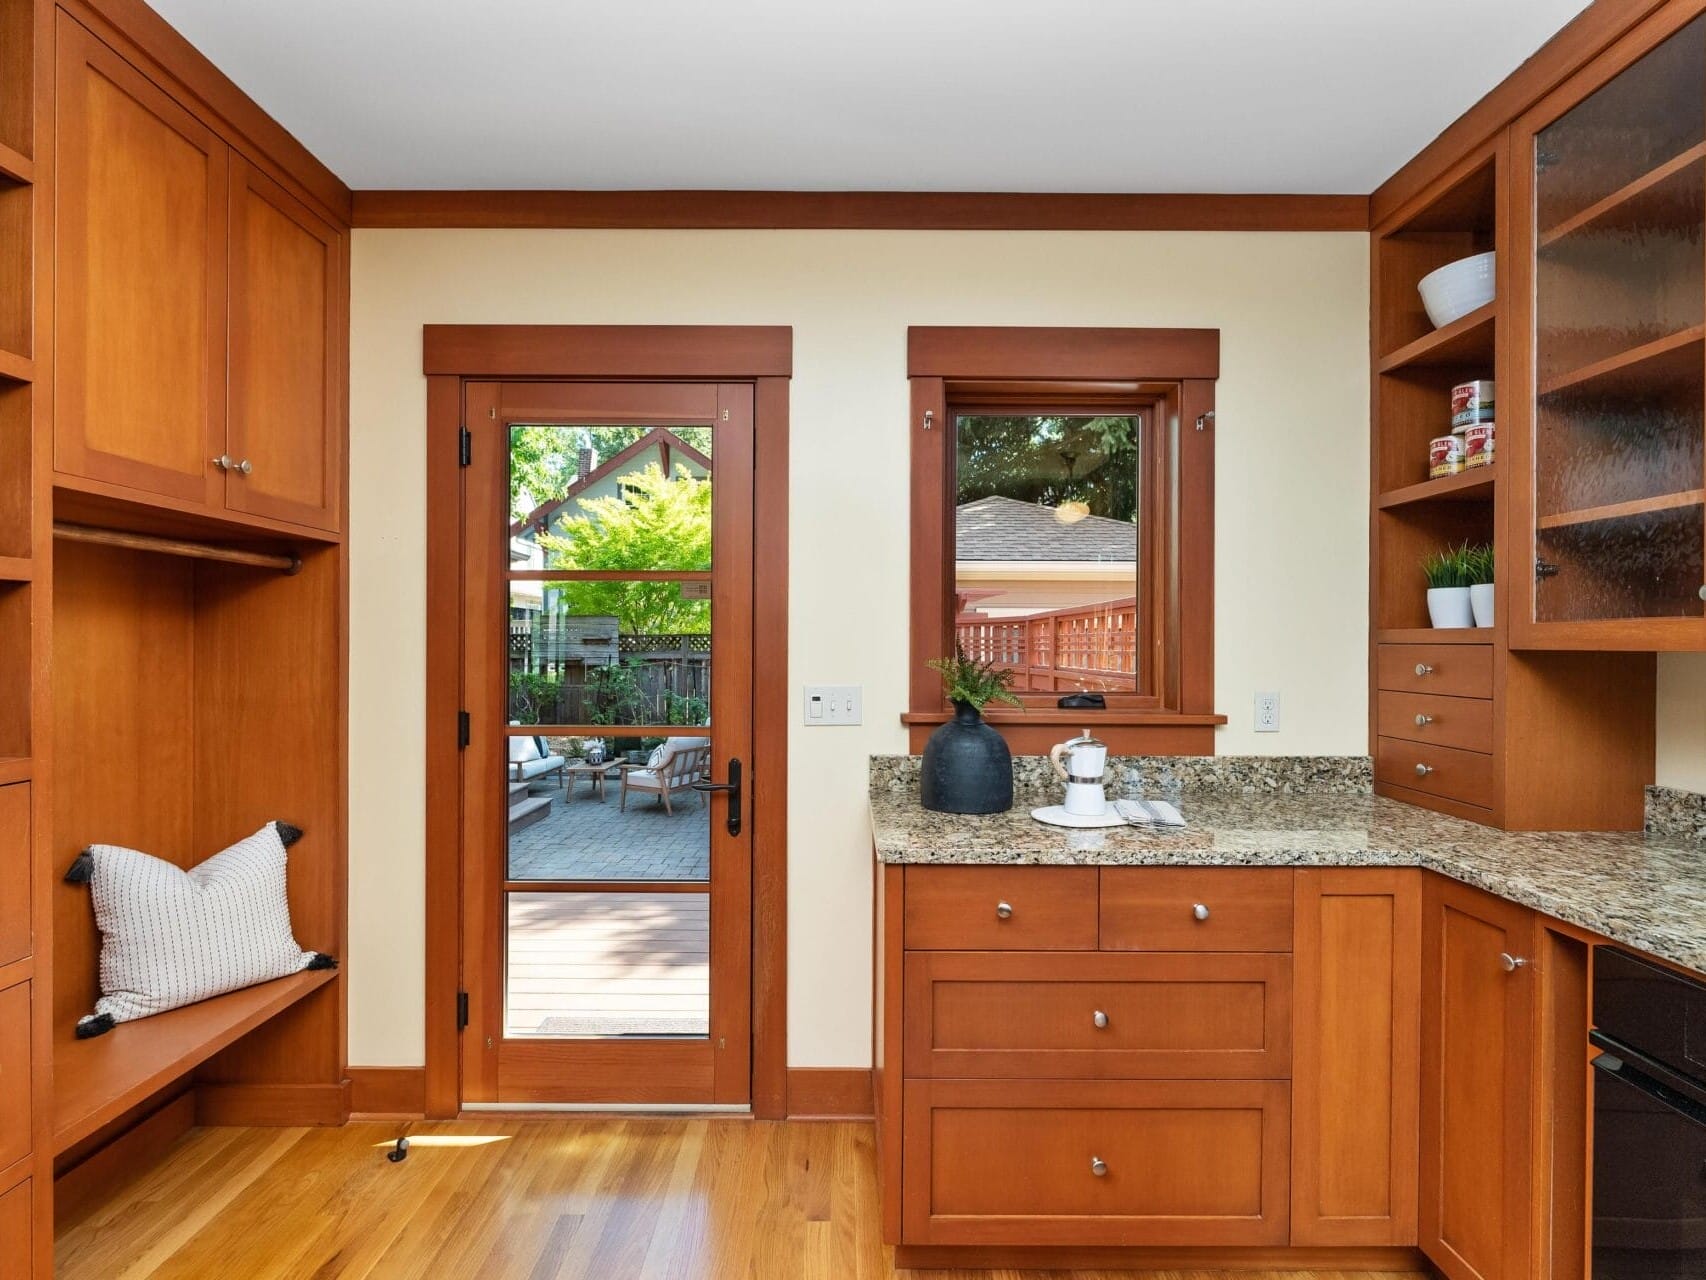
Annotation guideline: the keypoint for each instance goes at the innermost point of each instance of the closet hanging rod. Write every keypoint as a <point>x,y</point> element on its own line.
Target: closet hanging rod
<point>176,547</point>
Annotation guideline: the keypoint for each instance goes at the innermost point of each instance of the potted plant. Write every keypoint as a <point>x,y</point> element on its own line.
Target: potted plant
<point>1447,573</point>
<point>967,767</point>
<point>1481,584</point>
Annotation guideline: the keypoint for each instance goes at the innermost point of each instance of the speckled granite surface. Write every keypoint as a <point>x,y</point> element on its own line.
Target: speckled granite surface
<point>1676,813</point>
<point>1645,890</point>
<point>1034,780</point>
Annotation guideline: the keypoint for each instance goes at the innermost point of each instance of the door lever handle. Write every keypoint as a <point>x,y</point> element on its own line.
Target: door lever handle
<point>705,787</point>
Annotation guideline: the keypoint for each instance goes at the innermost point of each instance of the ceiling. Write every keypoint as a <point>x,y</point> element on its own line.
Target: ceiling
<point>1304,96</point>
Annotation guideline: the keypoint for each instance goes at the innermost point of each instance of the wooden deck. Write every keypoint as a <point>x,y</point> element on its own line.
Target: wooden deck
<point>608,964</point>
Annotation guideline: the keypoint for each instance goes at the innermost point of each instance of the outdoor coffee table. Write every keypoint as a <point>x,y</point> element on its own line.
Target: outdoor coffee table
<point>593,773</point>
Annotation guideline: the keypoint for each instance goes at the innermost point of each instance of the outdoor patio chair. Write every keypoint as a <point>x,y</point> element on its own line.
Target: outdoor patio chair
<point>530,760</point>
<point>675,766</point>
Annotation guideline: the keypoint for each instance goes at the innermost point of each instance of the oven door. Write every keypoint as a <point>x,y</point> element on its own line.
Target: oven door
<point>1649,1169</point>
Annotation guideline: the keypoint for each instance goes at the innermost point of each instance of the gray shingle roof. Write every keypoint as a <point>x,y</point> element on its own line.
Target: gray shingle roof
<point>997,528</point>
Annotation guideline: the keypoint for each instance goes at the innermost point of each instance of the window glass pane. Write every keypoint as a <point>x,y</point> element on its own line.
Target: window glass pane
<point>608,964</point>
<point>606,652</point>
<point>1046,548</point>
<point>610,497</point>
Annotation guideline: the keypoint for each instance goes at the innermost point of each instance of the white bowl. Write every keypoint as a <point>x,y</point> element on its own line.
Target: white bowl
<point>1457,288</point>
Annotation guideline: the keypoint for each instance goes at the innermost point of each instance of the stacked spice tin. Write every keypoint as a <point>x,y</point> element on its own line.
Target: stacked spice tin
<point>1470,443</point>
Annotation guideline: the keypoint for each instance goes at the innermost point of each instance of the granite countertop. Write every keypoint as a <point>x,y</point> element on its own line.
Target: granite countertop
<point>1645,890</point>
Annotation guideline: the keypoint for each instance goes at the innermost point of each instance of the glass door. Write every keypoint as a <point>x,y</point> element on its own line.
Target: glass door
<point>608,613</point>
<point>1615,193</point>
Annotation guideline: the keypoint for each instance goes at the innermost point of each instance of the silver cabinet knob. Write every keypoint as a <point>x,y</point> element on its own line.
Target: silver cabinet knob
<point>223,462</point>
<point>1423,669</point>
<point>1423,721</point>
<point>1423,770</point>
<point>1200,911</point>
<point>1511,963</point>
<point>243,467</point>
<point>1098,1166</point>
<point>1099,1018</point>
<point>1003,910</point>
<point>1703,593</point>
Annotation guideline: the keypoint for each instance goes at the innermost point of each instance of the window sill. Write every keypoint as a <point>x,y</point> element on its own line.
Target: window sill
<point>1082,718</point>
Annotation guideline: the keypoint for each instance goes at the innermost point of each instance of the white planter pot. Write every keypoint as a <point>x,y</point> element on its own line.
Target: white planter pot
<point>1481,603</point>
<point>1448,607</point>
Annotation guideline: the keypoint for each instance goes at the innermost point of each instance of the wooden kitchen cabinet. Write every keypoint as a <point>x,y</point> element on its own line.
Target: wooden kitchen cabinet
<point>1356,1055</point>
<point>1478,1011</point>
<point>199,307</point>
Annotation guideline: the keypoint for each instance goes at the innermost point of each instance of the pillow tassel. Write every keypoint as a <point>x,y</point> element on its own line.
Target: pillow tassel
<point>287,834</point>
<point>94,1025</point>
<point>320,960</point>
<point>82,868</point>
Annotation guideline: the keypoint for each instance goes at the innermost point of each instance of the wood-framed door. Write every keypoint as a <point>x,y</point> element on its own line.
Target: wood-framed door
<point>606,925</point>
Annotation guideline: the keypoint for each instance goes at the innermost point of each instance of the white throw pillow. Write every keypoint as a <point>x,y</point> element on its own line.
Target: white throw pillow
<point>521,750</point>
<point>170,937</point>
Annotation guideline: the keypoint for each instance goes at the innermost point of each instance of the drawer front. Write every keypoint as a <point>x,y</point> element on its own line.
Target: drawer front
<point>14,872</point>
<point>16,1230</point>
<point>1465,776</point>
<point>1196,908</point>
<point>1001,908</point>
<point>15,1073</point>
<point>1153,1162</point>
<point>1455,670</point>
<point>988,1015</point>
<point>1465,723</point>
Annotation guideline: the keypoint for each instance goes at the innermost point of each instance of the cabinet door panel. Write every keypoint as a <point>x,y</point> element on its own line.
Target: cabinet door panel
<point>139,280</point>
<point>1477,1075</point>
<point>16,1223</point>
<point>284,420</point>
<point>15,878</point>
<point>16,1070</point>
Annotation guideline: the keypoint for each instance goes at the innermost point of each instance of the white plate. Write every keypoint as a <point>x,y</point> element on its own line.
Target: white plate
<point>1057,816</point>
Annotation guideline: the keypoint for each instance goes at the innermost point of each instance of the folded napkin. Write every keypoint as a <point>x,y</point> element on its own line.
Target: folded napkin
<point>1149,813</point>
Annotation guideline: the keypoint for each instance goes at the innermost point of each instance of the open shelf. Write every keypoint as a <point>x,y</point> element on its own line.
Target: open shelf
<point>1435,635</point>
<point>1465,341</point>
<point>16,569</point>
<point>15,166</point>
<point>14,769</point>
<point>1624,510</point>
<point>16,368</point>
<point>1670,195</point>
<point>96,1081</point>
<point>1675,356</point>
<point>1468,486</point>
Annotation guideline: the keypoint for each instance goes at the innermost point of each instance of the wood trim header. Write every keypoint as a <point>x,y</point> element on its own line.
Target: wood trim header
<point>1110,355</point>
<point>676,352</point>
<point>859,211</point>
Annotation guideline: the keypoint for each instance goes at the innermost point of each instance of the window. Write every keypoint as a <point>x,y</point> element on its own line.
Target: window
<point>1063,526</point>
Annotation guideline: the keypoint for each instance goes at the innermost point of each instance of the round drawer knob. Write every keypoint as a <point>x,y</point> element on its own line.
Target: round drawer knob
<point>1423,721</point>
<point>1003,910</point>
<point>1423,770</point>
<point>1200,911</point>
<point>1098,1166</point>
<point>1100,1018</point>
<point>1423,669</point>
<point>1511,963</point>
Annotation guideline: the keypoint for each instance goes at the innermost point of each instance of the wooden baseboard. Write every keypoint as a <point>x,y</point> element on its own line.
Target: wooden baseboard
<point>829,1093</point>
<point>273,1105</point>
<point>387,1091</point>
<point>1280,1258</point>
<point>94,1178</point>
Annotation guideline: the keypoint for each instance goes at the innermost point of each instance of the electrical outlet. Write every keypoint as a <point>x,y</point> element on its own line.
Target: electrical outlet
<point>834,704</point>
<point>1267,713</point>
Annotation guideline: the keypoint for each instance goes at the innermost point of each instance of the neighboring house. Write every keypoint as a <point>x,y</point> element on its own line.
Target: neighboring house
<point>659,447</point>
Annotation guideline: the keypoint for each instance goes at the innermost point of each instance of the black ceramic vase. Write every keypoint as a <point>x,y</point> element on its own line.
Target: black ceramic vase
<point>967,767</point>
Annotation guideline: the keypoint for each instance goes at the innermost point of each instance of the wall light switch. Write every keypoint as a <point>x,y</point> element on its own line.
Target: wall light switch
<point>1267,713</point>
<point>834,703</point>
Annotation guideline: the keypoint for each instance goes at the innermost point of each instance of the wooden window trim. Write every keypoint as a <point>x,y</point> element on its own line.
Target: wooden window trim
<point>960,369</point>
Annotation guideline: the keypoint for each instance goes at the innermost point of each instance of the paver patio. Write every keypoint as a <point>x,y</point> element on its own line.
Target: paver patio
<point>585,838</point>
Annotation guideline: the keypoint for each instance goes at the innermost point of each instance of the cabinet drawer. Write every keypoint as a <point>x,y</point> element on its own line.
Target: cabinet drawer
<point>1001,908</point>
<point>1466,776</point>
<point>1196,909</point>
<point>16,1229</point>
<point>15,1073</point>
<point>14,872</point>
<point>1456,670</point>
<point>986,1015</point>
<point>1466,723</point>
<point>1195,1162</point>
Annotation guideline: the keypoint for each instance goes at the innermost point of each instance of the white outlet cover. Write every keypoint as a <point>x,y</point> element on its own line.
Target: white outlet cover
<point>1267,713</point>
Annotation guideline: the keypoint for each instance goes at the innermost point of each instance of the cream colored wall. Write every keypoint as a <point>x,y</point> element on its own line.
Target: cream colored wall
<point>1682,721</point>
<point>1291,536</point>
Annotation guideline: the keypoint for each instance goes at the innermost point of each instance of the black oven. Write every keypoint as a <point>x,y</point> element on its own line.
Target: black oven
<point>1649,1121</point>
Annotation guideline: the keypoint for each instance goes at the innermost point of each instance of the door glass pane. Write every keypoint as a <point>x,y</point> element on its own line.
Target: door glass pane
<point>608,964</point>
<point>1620,297</point>
<point>1046,578</point>
<point>610,653</point>
<point>610,498</point>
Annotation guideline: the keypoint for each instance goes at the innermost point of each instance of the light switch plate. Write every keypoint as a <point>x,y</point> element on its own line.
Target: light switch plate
<point>834,704</point>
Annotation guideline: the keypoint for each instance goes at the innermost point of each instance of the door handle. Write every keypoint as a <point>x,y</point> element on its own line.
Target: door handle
<point>732,786</point>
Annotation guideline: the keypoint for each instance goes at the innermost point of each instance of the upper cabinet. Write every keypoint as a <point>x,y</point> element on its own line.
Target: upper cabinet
<point>197,309</point>
<point>1608,522</point>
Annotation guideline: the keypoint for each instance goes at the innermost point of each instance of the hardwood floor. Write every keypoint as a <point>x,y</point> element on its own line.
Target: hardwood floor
<point>569,1198</point>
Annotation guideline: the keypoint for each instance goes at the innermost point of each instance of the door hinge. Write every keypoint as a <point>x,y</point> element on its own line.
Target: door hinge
<point>464,729</point>
<point>467,447</point>
<point>461,1010</point>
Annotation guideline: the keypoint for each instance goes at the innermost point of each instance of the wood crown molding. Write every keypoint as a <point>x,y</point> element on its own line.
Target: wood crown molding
<point>858,211</point>
<point>987,351</point>
<point>712,352</point>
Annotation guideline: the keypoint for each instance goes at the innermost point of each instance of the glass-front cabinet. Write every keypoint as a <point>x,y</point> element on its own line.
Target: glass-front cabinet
<point>1608,434</point>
